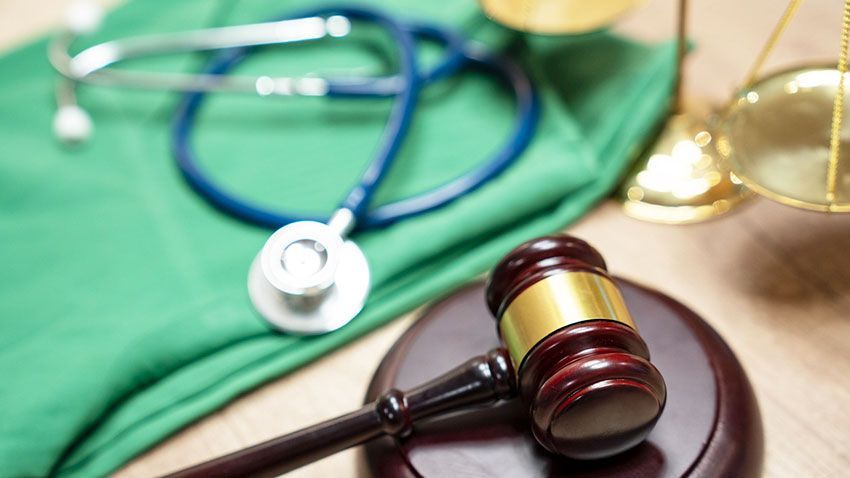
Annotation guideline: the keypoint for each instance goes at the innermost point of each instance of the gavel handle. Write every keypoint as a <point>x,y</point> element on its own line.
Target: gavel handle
<point>480,380</point>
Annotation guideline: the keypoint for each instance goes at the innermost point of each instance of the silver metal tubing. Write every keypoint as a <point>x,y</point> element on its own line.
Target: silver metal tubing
<point>91,65</point>
<point>342,222</point>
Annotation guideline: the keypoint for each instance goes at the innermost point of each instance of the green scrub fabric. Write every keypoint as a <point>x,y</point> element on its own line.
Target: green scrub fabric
<point>124,314</point>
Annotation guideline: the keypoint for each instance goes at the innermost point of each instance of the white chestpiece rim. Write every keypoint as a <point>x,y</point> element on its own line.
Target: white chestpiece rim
<point>308,279</point>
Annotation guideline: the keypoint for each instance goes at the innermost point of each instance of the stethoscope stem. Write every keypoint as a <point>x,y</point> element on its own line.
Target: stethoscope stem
<point>342,221</point>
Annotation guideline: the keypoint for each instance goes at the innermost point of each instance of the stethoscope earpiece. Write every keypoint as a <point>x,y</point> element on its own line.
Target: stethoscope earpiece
<point>72,124</point>
<point>83,17</point>
<point>338,26</point>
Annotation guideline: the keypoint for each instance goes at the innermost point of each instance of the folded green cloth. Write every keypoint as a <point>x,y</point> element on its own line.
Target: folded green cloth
<point>124,314</point>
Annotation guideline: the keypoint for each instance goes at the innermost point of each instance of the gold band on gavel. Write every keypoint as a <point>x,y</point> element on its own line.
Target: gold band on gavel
<point>556,302</point>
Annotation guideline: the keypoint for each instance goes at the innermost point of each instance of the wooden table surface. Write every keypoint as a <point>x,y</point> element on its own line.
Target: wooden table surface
<point>774,281</point>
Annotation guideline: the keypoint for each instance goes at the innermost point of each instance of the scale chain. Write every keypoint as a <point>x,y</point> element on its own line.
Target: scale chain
<point>838,109</point>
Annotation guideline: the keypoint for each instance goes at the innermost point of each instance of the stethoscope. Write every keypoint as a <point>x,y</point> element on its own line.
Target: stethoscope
<point>309,277</point>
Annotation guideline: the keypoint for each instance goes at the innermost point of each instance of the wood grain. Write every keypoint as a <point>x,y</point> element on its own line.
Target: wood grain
<point>708,427</point>
<point>774,281</point>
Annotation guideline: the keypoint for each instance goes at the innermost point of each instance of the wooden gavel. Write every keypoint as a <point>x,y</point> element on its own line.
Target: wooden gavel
<point>581,368</point>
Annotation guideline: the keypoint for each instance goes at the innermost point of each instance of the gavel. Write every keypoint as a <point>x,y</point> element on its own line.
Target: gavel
<point>571,352</point>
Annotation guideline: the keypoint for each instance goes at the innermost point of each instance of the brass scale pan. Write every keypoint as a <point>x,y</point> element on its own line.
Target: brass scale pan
<point>775,136</point>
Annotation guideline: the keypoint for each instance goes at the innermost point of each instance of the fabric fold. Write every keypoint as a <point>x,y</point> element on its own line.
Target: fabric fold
<point>123,309</point>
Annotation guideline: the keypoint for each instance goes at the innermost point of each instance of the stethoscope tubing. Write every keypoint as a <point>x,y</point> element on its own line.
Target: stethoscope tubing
<point>357,200</point>
<point>405,88</point>
<point>525,125</point>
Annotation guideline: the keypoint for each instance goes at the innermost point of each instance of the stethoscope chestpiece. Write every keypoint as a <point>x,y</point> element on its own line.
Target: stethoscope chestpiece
<point>308,279</point>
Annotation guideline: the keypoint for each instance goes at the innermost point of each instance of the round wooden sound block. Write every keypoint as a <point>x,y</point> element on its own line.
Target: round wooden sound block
<point>710,426</point>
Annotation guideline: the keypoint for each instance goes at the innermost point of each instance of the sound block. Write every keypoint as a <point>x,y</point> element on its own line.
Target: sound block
<point>710,426</point>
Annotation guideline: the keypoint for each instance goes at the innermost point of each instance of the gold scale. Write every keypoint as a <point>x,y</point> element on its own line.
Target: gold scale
<point>775,137</point>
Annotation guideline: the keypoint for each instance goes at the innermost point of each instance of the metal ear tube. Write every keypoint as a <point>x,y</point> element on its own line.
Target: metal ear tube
<point>72,124</point>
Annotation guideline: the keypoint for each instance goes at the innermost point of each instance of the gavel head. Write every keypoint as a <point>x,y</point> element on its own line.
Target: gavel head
<point>582,368</point>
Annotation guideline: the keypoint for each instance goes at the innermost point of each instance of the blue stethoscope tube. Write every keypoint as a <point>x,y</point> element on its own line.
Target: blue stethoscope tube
<point>405,88</point>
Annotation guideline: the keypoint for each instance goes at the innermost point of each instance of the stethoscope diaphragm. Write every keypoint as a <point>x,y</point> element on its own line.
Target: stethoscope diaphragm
<point>308,279</point>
